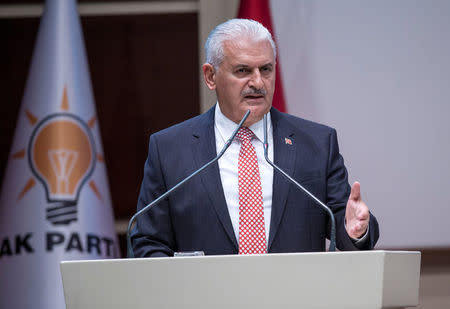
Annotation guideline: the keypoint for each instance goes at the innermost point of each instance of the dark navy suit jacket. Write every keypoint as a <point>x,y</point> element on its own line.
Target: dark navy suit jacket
<point>196,216</point>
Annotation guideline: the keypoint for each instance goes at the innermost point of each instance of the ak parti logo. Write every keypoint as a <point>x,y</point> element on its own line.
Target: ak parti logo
<point>62,156</point>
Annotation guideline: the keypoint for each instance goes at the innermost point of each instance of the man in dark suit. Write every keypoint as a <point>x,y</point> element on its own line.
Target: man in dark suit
<point>240,204</point>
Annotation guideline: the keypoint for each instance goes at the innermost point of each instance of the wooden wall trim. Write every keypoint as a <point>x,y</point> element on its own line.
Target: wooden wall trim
<point>102,9</point>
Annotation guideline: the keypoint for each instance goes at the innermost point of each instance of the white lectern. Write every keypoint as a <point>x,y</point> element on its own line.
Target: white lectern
<point>371,279</point>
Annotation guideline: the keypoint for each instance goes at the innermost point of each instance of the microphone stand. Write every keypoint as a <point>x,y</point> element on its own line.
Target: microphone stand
<point>332,246</point>
<point>130,252</point>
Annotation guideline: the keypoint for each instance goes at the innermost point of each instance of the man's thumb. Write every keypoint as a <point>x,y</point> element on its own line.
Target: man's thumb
<point>355,193</point>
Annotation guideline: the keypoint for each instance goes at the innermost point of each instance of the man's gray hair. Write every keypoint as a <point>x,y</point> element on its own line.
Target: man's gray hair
<point>234,29</point>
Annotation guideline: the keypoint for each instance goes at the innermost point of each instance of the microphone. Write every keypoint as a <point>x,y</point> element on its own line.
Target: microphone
<point>332,246</point>
<point>130,252</point>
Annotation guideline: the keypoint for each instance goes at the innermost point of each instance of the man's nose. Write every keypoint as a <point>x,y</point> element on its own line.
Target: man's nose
<point>256,80</point>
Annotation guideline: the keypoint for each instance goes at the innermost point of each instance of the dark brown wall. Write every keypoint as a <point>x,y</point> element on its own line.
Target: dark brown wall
<point>144,71</point>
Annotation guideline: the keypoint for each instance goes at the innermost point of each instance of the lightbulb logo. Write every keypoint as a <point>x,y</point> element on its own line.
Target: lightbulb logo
<point>62,156</point>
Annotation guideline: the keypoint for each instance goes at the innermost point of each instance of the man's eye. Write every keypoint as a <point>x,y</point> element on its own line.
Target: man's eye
<point>266,69</point>
<point>242,70</point>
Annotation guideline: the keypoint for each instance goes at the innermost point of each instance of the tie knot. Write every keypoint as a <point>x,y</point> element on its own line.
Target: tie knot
<point>244,134</point>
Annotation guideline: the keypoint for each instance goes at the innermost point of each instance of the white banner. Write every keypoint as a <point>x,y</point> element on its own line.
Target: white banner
<point>55,202</point>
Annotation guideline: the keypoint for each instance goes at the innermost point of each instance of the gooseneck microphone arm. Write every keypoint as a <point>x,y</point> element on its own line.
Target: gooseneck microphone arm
<point>332,246</point>
<point>130,252</point>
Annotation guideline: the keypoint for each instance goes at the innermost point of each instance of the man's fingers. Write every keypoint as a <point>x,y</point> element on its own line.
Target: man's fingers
<point>362,213</point>
<point>355,193</point>
<point>358,229</point>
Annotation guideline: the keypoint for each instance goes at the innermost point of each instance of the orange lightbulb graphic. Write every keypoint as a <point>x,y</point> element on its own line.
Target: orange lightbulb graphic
<point>62,158</point>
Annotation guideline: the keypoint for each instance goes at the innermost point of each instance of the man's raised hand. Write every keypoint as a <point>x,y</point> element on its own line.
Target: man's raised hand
<point>356,214</point>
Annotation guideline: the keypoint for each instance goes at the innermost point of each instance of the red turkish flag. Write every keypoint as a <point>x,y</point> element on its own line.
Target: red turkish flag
<point>259,10</point>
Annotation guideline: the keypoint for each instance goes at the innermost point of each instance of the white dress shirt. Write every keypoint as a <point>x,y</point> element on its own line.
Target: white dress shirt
<point>228,166</point>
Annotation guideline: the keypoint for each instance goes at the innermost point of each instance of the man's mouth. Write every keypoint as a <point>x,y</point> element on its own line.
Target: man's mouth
<point>254,96</point>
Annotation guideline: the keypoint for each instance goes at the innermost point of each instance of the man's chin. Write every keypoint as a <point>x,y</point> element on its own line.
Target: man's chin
<point>256,114</point>
<point>259,109</point>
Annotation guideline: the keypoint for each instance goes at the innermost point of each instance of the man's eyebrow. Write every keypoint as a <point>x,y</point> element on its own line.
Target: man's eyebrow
<point>269,64</point>
<point>241,65</point>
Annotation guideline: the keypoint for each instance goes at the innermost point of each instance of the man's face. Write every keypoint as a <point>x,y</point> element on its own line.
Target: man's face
<point>245,80</point>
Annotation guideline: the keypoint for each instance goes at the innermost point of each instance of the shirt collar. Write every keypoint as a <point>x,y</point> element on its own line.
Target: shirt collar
<point>226,126</point>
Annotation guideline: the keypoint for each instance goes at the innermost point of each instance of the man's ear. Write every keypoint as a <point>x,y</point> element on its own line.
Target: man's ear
<point>209,74</point>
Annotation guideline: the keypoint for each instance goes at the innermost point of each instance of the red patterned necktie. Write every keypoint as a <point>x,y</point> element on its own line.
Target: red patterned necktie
<point>252,233</point>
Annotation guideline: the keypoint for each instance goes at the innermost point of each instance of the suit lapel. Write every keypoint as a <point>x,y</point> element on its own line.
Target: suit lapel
<point>284,157</point>
<point>204,150</point>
